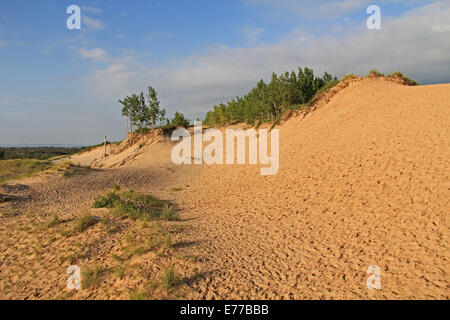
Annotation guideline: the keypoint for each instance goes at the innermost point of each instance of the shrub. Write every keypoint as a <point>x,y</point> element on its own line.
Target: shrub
<point>107,201</point>
<point>180,120</point>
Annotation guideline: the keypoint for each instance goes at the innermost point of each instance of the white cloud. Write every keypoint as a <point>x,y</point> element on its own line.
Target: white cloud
<point>95,54</point>
<point>91,9</point>
<point>418,44</point>
<point>330,9</point>
<point>91,23</point>
<point>252,33</point>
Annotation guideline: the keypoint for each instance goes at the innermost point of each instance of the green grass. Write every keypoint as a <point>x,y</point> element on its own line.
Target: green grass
<point>375,73</point>
<point>15,169</point>
<point>120,272</point>
<point>54,220</point>
<point>169,278</point>
<point>348,76</point>
<point>39,153</point>
<point>136,294</point>
<point>90,277</point>
<point>130,204</point>
<point>168,214</point>
<point>406,81</point>
<point>83,222</point>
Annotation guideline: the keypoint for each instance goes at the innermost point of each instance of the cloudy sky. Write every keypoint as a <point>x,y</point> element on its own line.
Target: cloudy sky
<point>61,86</point>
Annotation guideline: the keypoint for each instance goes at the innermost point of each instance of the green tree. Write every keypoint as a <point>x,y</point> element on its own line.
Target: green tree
<point>155,113</point>
<point>2,154</point>
<point>180,120</point>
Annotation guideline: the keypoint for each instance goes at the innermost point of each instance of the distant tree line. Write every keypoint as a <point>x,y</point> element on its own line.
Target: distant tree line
<point>39,153</point>
<point>268,101</point>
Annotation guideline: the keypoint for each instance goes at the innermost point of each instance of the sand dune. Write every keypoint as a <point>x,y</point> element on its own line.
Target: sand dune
<point>363,180</point>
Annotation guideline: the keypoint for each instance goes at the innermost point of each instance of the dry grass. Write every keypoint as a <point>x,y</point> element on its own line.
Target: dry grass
<point>15,169</point>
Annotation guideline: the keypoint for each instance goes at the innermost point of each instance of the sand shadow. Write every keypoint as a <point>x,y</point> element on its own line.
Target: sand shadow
<point>198,277</point>
<point>186,244</point>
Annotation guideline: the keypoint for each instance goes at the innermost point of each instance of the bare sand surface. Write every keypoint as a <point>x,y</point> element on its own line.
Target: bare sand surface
<point>363,180</point>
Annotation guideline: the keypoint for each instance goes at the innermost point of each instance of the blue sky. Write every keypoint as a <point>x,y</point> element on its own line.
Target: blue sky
<point>61,86</point>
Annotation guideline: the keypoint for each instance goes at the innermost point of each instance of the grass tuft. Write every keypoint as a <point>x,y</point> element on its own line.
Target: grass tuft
<point>54,220</point>
<point>406,81</point>
<point>168,214</point>
<point>375,73</point>
<point>83,222</point>
<point>90,277</point>
<point>169,278</point>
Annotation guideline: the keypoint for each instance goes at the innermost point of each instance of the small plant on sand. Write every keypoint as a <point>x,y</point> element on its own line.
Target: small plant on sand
<point>406,81</point>
<point>116,186</point>
<point>168,214</point>
<point>84,222</point>
<point>54,220</point>
<point>107,201</point>
<point>120,272</point>
<point>348,76</point>
<point>169,278</point>
<point>375,73</point>
<point>90,277</point>
<point>136,294</point>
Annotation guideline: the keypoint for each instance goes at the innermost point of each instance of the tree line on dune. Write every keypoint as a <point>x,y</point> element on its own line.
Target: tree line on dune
<point>268,101</point>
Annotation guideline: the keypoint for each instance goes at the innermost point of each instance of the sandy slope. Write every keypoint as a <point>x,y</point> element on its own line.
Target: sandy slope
<point>363,180</point>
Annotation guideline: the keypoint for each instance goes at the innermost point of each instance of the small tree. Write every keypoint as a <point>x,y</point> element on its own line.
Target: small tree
<point>155,113</point>
<point>2,154</point>
<point>180,120</point>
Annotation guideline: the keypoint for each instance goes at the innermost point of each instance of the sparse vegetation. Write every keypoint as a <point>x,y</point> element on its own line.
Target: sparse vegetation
<point>375,73</point>
<point>120,272</point>
<point>38,153</point>
<point>136,294</point>
<point>168,214</point>
<point>406,81</point>
<point>169,278</point>
<point>348,76</point>
<point>90,277</point>
<point>83,222</point>
<point>136,206</point>
<point>15,169</point>
<point>54,220</point>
